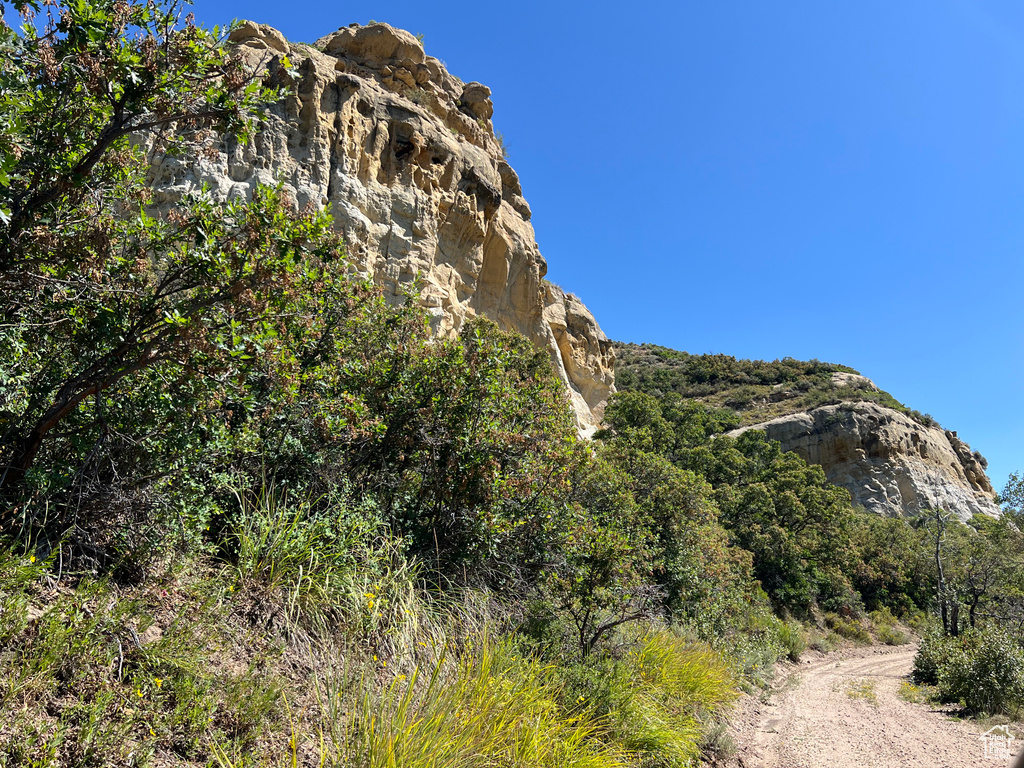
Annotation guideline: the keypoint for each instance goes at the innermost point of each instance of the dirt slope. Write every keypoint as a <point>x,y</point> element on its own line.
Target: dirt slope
<point>842,711</point>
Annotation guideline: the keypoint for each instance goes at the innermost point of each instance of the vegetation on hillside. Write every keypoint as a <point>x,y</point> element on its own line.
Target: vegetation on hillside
<point>251,510</point>
<point>252,513</point>
<point>812,552</point>
<point>757,390</point>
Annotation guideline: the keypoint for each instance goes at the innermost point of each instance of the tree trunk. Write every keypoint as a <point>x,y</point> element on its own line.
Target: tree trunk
<point>940,526</point>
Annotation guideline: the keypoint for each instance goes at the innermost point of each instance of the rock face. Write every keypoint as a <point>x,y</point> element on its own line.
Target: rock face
<point>405,155</point>
<point>891,464</point>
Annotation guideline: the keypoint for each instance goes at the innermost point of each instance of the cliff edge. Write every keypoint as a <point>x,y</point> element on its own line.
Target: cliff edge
<point>890,463</point>
<point>406,156</point>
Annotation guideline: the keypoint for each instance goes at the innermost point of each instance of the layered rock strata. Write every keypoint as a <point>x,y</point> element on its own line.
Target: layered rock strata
<point>891,464</point>
<point>406,157</point>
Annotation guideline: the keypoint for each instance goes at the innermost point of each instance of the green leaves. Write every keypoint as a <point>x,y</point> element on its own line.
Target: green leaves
<point>774,505</point>
<point>117,307</point>
<point>91,74</point>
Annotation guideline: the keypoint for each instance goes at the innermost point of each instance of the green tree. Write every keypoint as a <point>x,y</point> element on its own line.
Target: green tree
<point>670,425</point>
<point>1012,498</point>
<point>891,566</point>
<point>469,443</point>
<point>701,578</point>
<point>93,291</point>
<point>788,516</point>
<point>774,505</point>
<point>602,574</point>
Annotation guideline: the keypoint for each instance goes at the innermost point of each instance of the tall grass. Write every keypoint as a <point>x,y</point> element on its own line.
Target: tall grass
<point>657,701</point>
<point>490,707</point>
<point>328,564</point>
<point>438,690</point>
<point>674,688</point>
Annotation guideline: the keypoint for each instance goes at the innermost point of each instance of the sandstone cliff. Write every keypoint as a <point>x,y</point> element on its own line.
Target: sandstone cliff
<point>405,154</point>
<point>890,463</point>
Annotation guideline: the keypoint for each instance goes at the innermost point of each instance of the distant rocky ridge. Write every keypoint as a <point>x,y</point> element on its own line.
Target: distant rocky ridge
<point>405,154</point>
<point>893,461</point>
<point>890,463</point>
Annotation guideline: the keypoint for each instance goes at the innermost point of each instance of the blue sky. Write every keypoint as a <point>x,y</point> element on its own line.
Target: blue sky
<point>842,181</point>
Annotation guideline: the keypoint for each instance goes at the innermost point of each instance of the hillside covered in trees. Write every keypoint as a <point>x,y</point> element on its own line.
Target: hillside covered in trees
<point>758,390</point>
<point>254,511</point>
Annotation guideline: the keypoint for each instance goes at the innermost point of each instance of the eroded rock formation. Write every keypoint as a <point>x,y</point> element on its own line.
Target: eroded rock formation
<point>405,154</point>
<point>891,464</point>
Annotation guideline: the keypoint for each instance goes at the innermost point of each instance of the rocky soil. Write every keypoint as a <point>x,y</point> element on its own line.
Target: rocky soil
<point>842,710</point>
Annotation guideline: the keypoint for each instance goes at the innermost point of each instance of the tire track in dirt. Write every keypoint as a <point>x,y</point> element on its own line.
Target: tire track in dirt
<point>843,711</point>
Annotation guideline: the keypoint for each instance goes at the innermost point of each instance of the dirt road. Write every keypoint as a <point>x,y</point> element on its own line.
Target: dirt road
<point>843,711</point>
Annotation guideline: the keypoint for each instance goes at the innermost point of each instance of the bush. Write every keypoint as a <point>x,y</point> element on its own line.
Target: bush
<point>754,647</point>
<point>792,638</point>
<point>983,670</point>
<point>851,629</point>
<point>931,655</point>
<point>823,643</point>
<point>83,683</point>
<point>892,636</point>
<point>886,629</point>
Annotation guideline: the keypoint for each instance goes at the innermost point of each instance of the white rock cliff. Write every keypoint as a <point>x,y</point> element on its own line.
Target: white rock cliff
<point>405,154</point>
<point>891,464</point>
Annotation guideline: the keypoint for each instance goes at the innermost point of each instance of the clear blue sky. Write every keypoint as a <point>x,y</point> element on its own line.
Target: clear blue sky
<point>842,181</point>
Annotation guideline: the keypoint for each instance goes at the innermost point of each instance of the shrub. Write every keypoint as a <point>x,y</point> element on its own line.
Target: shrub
<point>848,628</point>
<point>984,670</point>
<point>83,683</point>
<point>823,643</point>
<point>792,639</point>
<point>893,636</point>
<point>886,629</point>
<point>931,655</point>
